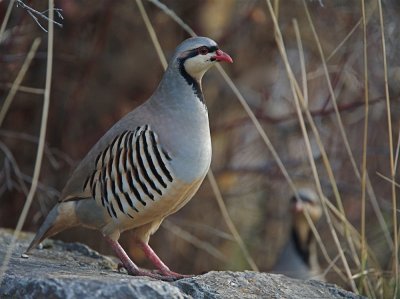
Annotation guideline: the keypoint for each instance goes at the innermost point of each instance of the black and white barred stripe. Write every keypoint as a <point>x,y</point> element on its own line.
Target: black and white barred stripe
<point>131,170</point>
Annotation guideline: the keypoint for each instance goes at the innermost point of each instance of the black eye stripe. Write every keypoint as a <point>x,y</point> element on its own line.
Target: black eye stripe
<point>212,49</point>
<point>195,52</point>
<point>304,200</point>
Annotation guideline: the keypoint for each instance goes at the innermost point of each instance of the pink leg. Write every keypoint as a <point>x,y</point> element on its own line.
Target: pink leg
<point>129,265</point>
<point>158,263</point>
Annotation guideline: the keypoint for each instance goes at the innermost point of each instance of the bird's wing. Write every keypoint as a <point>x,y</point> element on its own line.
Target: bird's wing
<point>73,189</point>
<point>132,169</point>
<point>129,172</point>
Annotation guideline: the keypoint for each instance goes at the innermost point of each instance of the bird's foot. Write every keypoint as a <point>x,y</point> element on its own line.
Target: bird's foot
<point>156,274</point>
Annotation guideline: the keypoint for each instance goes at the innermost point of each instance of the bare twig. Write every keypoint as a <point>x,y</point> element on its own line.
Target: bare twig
<point>35,14</point>
<point>11,165</point>
<point>51,153</point>
<point>9,156</point>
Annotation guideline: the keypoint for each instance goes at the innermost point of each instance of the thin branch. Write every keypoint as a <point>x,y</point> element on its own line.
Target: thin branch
<point>35,14</point>
<point>14,167</point>
<point>51,153</point>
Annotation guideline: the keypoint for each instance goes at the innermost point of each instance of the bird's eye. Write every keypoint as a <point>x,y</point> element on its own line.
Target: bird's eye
<point>203,50</point>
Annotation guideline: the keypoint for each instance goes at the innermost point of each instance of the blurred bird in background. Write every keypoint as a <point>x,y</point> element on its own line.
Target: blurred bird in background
<point>298,258</point>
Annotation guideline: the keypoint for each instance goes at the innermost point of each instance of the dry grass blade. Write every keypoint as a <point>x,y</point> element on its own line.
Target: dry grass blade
<point>152,34</point>
<point>40,148</point>
<point>346,38</point>
<point>396,159</point>
<point>229,222</point>
<point>6,18</point>
<point>26,89</point>
<point>18,79</point>
<point>173,16</point>
<point>391,156</point>
<point>388,179</point>
<point>302,63</point>
<point>332,264</point>
<point>364,254</point>
<point>210,175</point>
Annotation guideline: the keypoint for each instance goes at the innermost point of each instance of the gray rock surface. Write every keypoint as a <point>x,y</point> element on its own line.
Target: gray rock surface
<point>61,270</point>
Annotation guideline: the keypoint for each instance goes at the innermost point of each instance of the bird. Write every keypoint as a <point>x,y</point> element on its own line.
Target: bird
<point>298,259</point>
<point>147,166</point>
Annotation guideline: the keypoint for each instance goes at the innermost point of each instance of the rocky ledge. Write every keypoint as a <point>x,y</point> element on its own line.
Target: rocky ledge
<point>61,270</point>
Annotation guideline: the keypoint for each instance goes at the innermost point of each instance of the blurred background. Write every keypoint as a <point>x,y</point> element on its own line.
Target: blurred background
<point>105,65</point>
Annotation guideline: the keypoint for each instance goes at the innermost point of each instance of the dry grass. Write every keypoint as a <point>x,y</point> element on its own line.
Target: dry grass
<point>42,133</point>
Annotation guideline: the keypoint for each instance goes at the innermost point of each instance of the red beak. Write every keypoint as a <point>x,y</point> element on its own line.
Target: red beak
<point>298,207</point>
<point>222,56</point>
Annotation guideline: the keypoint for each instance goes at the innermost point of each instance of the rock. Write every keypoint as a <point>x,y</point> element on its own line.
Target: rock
<point>61,270</point>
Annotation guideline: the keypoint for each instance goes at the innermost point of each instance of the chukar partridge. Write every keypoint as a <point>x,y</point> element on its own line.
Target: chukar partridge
<point>299,256</point>
<point>148,165</point>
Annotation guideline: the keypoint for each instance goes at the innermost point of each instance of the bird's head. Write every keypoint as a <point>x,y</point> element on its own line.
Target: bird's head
<point>198,54</point>
<point>307,201</point>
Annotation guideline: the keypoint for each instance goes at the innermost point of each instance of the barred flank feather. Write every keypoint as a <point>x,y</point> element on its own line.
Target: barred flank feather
<point>131,170</point>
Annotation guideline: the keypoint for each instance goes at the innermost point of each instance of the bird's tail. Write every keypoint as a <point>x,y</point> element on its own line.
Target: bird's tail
<point>61,217</point>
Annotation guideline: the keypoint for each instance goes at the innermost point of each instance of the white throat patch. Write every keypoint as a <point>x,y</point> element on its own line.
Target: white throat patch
<point>197,66</point>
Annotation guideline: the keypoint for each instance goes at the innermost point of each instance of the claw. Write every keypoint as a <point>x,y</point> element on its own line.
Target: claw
<point>120,267</point>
